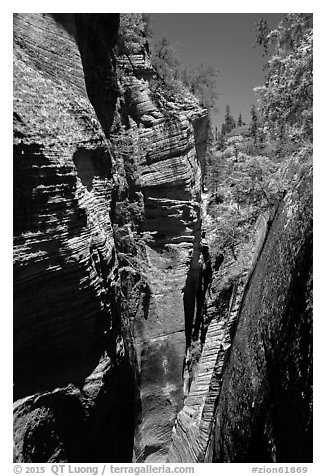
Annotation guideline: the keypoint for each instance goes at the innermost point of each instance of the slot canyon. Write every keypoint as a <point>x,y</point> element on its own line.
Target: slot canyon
<point>135,340</point>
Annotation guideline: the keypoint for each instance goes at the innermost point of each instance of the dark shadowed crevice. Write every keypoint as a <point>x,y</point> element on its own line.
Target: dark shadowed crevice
<point>96,35</point>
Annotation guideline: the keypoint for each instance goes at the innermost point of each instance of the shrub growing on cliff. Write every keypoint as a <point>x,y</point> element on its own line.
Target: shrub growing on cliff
<point>201,81</point>
<point>133,33</point>
<point>165,60</point>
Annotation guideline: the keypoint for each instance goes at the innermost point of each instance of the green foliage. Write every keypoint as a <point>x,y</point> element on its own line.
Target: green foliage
<point>286,98</point>
<point>227,127</point>
<point>146,18</point>
<point>243,131</point>
<point>133,33</point>
<point>167,65</point>
<point>243,183</point>
<point>254,123</point>
<point>253,166</point>
<point>165,60</point>
<point>172,76</point>
<point>201,81</point>
<point>220,140</point>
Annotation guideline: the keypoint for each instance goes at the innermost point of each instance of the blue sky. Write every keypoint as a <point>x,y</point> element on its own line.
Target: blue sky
<point>226,41</point>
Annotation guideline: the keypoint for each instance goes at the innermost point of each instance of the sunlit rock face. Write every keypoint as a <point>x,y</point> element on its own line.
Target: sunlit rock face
<point>167,172</point>
<point>107,188</point>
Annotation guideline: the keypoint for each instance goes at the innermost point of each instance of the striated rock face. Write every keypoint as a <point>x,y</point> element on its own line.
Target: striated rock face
<point>107,187</point>
<point>167,173</point>
<point>74,371</point>
<point>193,434</point>
<point>108,174</point>
<point>193,431</point>
<point>264,411</point>
<point>251,392</point>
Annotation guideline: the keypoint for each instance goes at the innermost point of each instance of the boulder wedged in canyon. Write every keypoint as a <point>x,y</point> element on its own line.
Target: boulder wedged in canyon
<point>264,411</point>
<point>107,187</point>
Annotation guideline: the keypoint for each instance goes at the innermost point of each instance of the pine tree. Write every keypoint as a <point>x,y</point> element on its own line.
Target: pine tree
<point>240,123</point>
<point>229,121</point>
<point>221,139</point>
<point>254,123</point>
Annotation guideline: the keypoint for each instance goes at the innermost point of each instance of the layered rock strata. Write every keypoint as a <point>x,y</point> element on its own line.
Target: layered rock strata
<point>253,381</point>
<point>167,172</point>
<point>107,187</point>
<point>193,434</point>
<point>74,370</point>
<point>251,394</point>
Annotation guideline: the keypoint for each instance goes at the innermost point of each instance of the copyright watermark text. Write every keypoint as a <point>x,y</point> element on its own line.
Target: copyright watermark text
<point>279,469</point>
<point>66,469</point>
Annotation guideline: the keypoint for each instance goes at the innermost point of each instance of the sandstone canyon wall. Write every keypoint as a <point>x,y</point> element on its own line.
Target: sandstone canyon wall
<point>265,406</point>
<point>109,362</point>
<point>107,185</point>
<point>71,348</point>
<point>164,179</point>
<point>251,397</point>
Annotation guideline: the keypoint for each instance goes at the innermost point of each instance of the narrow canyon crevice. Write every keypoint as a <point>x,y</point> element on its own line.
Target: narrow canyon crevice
<point>254,372</point>
<point>107,202</point>
<point>133,340</point>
